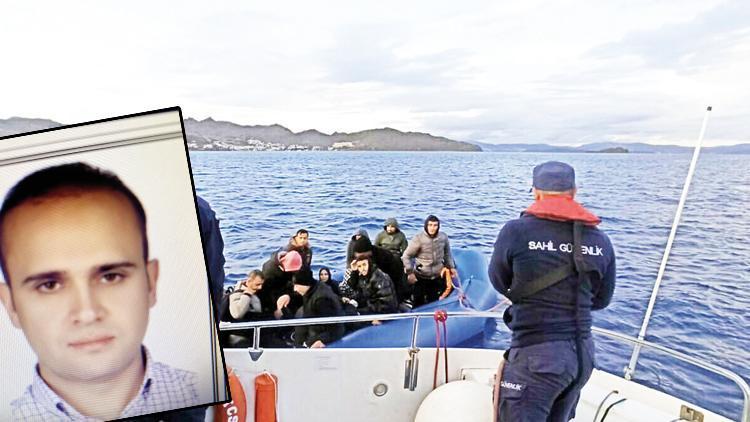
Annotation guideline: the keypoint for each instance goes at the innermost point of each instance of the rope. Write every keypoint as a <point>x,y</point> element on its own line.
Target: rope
<point>463,299</point>
<point>440,318</point>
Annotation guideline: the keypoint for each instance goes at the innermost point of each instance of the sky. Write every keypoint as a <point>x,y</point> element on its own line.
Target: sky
<point>562,73</point>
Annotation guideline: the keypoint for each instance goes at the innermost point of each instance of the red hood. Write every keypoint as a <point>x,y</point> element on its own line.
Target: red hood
<point>562,208</point>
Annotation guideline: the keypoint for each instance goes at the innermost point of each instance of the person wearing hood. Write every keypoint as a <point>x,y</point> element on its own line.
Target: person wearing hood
<point>368,288</point>
<point>358,234</point>
<point>391,238</point>
<point>389,264</point>
<point>426,260</point>
<point>555,266</point>
<point>324,276</point>
<point>318,300</point>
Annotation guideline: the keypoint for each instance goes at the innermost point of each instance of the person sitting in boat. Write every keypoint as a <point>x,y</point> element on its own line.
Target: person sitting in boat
<point>243,303</point>
<point>318,300</point>
<point>389,264</point>
<point>426,261</point>
<point>276,294</point>
<point>392,238</point>
<point>300,242</point>
<point>324,276</point>
<point>556,267</point>
<point>368,288</point>
<point>360,233</point>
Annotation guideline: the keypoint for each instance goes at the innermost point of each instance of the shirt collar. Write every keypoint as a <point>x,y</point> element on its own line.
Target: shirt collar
<point>44,395</point>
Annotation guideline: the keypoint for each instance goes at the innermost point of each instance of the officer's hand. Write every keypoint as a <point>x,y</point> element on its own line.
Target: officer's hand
<point>411,278</point>
<point>318,345</point>
<point>282,301</point>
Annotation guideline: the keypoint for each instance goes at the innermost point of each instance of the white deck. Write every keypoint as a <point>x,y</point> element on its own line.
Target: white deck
<point>337,385</point>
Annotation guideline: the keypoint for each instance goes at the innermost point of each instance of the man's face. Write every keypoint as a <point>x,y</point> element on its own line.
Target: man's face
<point>255,283</point>
<point>432,227</point>
<point>81,290</point>
<point>301,239</point>
<point>300,289</point>
<point>390,229</point>
<point>363,267</point>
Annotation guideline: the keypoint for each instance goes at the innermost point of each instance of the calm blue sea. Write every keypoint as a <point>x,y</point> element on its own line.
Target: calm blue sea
<point>264,197</point>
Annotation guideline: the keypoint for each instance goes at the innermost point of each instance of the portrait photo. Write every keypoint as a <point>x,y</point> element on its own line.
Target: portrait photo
<point>107,312</point>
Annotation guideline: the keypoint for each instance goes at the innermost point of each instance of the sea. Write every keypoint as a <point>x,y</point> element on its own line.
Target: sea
<point>262,198</point>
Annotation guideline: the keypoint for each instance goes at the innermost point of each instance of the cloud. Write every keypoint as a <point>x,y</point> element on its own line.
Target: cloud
<point>483,70</point>
<point>707,40</point>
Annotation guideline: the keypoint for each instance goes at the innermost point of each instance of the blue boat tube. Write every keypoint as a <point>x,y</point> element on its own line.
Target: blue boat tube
<point>477,294</point>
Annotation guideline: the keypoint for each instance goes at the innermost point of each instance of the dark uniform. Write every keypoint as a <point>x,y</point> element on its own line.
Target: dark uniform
<point>551,355</point>
<point>213,245</point>
<point>319,301</point>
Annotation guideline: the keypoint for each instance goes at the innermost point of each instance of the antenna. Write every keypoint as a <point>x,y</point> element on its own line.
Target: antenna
<point>630,369</point>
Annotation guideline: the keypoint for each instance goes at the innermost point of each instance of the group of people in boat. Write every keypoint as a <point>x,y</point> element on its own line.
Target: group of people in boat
<point>552,263</point>
<point>387,276</point>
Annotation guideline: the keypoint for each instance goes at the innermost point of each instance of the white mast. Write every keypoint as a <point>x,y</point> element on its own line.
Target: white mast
<point>630,369</point>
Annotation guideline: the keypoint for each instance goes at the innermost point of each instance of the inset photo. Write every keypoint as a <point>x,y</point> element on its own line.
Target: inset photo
<point>107,312</point>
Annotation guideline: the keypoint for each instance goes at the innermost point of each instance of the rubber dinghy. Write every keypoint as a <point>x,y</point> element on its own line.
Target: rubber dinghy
<point>462,332</point>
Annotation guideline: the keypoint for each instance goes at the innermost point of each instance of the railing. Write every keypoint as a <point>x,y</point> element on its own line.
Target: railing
<point>257,326</point>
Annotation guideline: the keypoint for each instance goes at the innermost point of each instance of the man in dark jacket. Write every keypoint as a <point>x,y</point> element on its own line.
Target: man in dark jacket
<point>300,242</point>
<point>277,288</point>
<point>389,264</point>
<point>360,233</point>
<point>555,266</point>
<point>368,288</point>
<point>318,300</point>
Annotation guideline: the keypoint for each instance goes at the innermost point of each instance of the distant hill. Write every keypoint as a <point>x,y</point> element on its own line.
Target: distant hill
<point>635,147</point>
<point>209,134</point>
<point>621,147</point>
<point>204,133</point>
<point>524,147</point>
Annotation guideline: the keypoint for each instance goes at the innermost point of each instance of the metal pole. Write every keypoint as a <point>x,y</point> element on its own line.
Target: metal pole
<point>630,369</point>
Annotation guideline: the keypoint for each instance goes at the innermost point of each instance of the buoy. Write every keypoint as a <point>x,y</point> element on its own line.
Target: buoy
<point>465,401</point>
<point>266,394</point>
<point>235,410</point>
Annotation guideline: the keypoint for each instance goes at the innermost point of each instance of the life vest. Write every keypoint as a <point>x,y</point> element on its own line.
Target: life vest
<point>235,410</point>
<point>562,208</point>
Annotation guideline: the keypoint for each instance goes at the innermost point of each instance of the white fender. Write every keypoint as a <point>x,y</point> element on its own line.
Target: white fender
<point>465,401</point>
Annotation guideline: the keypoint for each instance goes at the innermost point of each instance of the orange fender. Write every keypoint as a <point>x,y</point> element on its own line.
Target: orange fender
<point>235,410</point>
<point>448,284</point>
<point>266,395</point>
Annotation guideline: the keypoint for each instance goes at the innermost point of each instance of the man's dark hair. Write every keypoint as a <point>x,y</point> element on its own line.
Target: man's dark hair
<point>63,180</point>
<point>302,231</point>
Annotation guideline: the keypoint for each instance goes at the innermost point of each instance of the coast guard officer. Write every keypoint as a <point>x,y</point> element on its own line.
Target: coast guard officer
<point>555,266</point>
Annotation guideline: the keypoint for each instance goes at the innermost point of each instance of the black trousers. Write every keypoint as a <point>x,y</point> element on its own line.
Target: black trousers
<point>427,290</point>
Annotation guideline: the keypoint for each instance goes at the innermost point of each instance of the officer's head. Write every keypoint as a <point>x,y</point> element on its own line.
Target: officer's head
<point>553,178</point>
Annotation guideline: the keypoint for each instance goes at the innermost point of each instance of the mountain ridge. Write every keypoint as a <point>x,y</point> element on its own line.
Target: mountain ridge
<point>211,134</point>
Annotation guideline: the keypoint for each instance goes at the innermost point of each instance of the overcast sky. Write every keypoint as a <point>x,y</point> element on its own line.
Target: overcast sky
<point>499,72</point>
